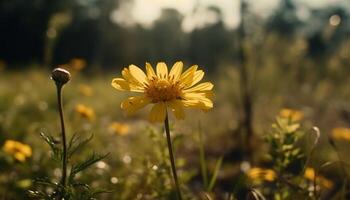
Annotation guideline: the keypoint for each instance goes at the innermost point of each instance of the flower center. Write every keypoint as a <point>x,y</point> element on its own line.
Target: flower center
<point>162,90</point>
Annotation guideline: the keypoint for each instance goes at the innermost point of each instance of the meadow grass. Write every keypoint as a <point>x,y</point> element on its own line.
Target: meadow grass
<point>138,165</point>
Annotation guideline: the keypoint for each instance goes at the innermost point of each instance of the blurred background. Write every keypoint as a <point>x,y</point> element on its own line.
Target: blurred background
<point>263,57</point>
<point>111,33</point>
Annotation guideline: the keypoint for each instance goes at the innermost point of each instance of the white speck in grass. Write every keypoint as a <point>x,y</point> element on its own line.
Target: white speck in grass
<point>127,159</point>
<point>57,172</point>
<point>101,165</point>
<point>87,126</point>
<point>78,175</point>
<point>155,167</point>
<point>245,166</point>
<point>95,184</point>
<point>42,106</point>
<point>114,180</point>
<point>49,190</point>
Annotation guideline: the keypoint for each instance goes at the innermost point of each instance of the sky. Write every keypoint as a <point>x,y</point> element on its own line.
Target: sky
<point>196,13</point>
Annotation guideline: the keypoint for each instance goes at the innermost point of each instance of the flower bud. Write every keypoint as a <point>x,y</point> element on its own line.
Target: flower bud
<point>60,76</point>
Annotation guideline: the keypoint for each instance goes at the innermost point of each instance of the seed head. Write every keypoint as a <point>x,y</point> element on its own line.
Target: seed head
<point>60,76</point>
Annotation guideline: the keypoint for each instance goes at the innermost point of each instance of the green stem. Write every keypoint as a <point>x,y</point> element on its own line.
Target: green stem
<point>63,135</point>
<point>171,155</point>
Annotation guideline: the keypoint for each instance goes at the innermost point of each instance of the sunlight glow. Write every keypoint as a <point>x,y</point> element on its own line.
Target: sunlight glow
<point>334,20</point>
<point>198,13</point>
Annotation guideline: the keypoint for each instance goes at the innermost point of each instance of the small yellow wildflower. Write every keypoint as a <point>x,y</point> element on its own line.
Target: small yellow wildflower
<point>310,175</point>
<point>85,111</point>
<point>341,133</point>
<point>77,64</point>
<point>174,90</point>
<point>85,90</point>
<point>257,174</point>
<point>119,128</point>
<point>17,149</point>
<point>294,115</point>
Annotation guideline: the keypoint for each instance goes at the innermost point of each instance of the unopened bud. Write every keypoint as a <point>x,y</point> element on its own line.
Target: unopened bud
<point>60,76</point>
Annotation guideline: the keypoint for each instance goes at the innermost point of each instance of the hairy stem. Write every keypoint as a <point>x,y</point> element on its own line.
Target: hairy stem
<point>171,155</point>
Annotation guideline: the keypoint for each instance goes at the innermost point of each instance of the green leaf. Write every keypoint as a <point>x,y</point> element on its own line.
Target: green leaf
<point>74,144</point>
<point>50,140</point>
<point>202,160</point>
<point>215,174</point>
<point>85,164</point>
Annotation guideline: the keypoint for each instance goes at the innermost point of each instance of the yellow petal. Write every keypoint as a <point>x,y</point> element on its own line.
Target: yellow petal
<point>123,85</point>
<point>195,95</point>
<point>162,70</point>
<point>138,74</point>
<point>197,104</point>
<point>197,100</point>
<point>149,70</point>
<point>208,94</point>
<point>26,150</point>
<point>190,70</point>
<point>188,77</point>
<point>176,71</point>
<point>132,104</point>
<point>20,157</point>
<point>158,112</point>
<point>178,109</point>
<point>207,86</point>
<point>198,76</point>
<point>129,78</point>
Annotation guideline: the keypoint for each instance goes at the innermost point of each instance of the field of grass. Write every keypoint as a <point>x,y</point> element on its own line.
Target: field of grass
<point>289,159</point>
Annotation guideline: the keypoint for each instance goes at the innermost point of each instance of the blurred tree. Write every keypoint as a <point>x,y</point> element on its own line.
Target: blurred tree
<point>285,20</point>
<point>23,26</point>
<point>211,45</point>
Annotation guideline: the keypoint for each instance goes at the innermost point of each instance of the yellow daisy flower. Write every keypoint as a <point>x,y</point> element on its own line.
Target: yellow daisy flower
<point>119,128</point>
<point>77,64</point>
<point>294,115</point>
<point>176,90</point>
<point>310,175</point>
<point>257,174</point>
<point>17,149</point>
<point>85,90</point>
<point>341,133</point>
<point>85,111</point>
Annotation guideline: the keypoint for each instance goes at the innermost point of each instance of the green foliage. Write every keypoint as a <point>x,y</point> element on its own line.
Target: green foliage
<point>208,185</point>
<point>283,138</point>
<point>74,190</point>
<point>55,149</point>
<point>138,166</point>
